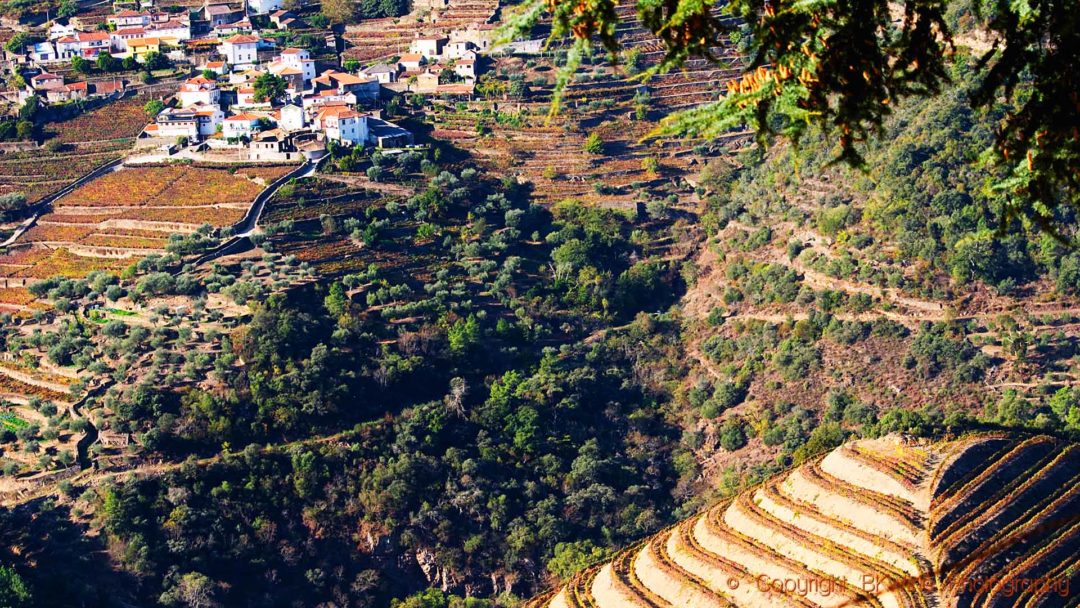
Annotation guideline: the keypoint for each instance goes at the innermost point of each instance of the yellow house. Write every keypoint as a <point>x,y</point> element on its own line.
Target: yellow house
<point>140,47</point>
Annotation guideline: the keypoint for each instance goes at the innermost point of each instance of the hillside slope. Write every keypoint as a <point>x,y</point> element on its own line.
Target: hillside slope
<point>980,521</point>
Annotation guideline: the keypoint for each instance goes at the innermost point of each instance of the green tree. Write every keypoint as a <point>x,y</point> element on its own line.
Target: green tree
<point>571,558</point>
<point>339,11</point>
<point>156,61</point>
<point>80,65</point>
<point>68,8</point>
<point>107,63</point>
<point>24,129</point>
<point>269,87</point>
<point>594,144</point>
<point>153,107</point>
<point>17,43</point>
<point>463,334</point>
<point>336,302</point>
<point>14,592</point>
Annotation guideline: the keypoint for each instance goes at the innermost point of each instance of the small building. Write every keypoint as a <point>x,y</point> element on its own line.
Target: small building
<point>121,37</point>
<point>466,68</point>
<point>461,49</point>
<point>291,118</point>
<point>199,90</point>
<point>387,134</point>
<point>240,125</point>
<point>218,67</point>
<point>60,30</point>
<point>87,45</point>
<point>231,29</point>
<point>195,122</point>
<point>220,14</point>
<point>342,124</point>
<point>180,29</point>
<point>245,98</point>
<point>240,50</point>
<point>126,19</point>
<point>246,77</point>
<point>431,47</point>
<point>68,92</point>
<point>139,48</point>
<point>428,82</point>
<point>299,59</point>
<point>411,62</point>
<point>43,52</point>
<point>273,145</point>
<point>363,87</point>
<point>384,73</point>
<point>327,98</point>
<point>284,20</point>
<point>45,80</point>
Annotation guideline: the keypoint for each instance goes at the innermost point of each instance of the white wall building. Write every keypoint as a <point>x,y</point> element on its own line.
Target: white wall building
<point>199,90</point>
<point>240,50</point>
<point>240,125</point>
<point>125,19</point>
<point>343,124</point>
<point>299,59</point>
<point>292,118</point>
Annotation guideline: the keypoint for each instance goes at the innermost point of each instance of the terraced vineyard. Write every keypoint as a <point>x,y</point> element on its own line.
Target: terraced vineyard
<point>126,214</point>
<point>87,142</point>
<point>521,138</point>
<point>987,520</point>
<point>373,40</point>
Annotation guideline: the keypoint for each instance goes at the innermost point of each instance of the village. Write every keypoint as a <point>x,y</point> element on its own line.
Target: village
<point>243,85</point>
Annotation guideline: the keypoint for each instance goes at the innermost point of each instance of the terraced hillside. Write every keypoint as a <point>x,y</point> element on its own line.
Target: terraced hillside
<point>890,523</point>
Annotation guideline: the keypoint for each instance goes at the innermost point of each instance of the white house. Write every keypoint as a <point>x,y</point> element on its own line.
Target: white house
<point>262,7</point>
<point>218,67</point>
<point>240,49</point>
<point>466,68</point>
<point>325,98</point>
<point>199,90</point>
<point>431,47</point>
<point>382,72</point>
<point>120,37</point>
<point>343,124</point>
<point>59,30</point>
<point>292,118</point>
<point>461,49</point>
<point>43,52</point>
<point>83,44</point>
<point>195,122</point>
<point>364,87</point>
<point>129,18</point>
<point>46,80</point>
<point>411,62</point>
<point>245,98</point>
<point>172,28</point>
<point>299,59</point>
<point>240,125</point>
<point>231,29</point>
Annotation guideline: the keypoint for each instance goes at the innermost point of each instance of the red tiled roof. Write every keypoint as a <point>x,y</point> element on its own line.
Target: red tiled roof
<point>242,39</point>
